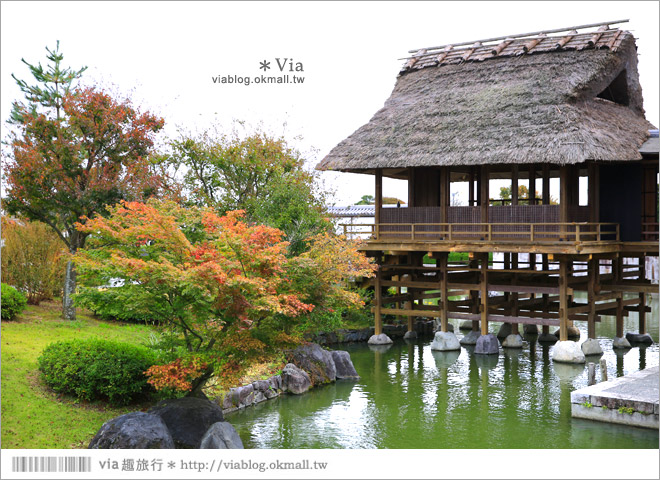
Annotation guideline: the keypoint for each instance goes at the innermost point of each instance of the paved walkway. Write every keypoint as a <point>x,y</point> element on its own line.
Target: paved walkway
<point>629,400</point>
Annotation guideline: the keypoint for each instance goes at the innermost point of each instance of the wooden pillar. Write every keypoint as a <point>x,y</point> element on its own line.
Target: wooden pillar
<point>642,313</point>
<point>378,319</point>
<point>483,290</point>
<point>532,184</point>
<point>444,198</point>
<point>563,199</point>
<point>563,300</point>
<point>444,298</point>
<point>617,267</point>
<point>594,192</point>
<point>471,192</point>
<point>378,199</point>
<point>514,185</point>
<point>592,278</point>
<point>514,295</point>
<point>484,192</point>
<point>474,294</point>
<point>545,196</point>
<point>411,187</point>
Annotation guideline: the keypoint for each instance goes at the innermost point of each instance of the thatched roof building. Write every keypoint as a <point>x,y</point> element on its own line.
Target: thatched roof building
<point>561,99</point>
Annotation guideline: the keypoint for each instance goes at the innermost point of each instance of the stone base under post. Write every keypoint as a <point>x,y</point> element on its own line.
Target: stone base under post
<point>487,345</point>
<point>567,352</point>
<point>591,347</point>
<point>445,341</point>
<point>471,338</point>
<point>381,339</point>
<point>621,342</point>
<point>513,341</point>
<point>410,335</point>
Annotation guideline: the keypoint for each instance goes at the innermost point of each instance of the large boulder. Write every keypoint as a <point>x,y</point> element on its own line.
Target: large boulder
<point>471,338</point>
<point>221,435</point>
<point>465,325</point>
<point>487,345</point>
<point>133,430</point>
<point>295,380</point>
<point>591,346</point>
<point>344,365</point>
<point>567,352</point>
<point>381,339</point>
<point>316,361</point>
<point>188,419</point>
<point>639,338</point>
<point>445,341</point>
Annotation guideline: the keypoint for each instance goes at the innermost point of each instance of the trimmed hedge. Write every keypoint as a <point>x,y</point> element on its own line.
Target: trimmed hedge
<point>13,302</point>
<point>97,369</point>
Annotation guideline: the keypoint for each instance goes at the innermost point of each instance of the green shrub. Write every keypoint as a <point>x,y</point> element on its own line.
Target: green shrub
<point>13,302</point>
<point>97,369</point>
<point>117,303</point>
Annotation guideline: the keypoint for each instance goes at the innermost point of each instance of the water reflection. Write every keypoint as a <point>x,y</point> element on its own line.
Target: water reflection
<point>412,397</point>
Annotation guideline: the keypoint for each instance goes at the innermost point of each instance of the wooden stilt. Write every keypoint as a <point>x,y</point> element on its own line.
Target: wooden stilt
<point>642,313</point>
<point>444,322</point>
<point>591,297</point>
<point>378,199</point>
<point>378,320</point>
<point>563,300</point>
<point>617,266</point>
<point>483,290</point>
<point>514,295</point>
<point>474,295</point>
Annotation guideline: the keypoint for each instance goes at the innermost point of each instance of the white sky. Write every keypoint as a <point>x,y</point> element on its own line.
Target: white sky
<point>164,55</point>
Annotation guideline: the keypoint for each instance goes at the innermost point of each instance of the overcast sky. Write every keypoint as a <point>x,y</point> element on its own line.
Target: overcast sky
<point>165,55</point>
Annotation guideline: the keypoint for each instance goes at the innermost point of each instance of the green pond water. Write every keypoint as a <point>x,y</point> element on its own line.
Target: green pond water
<point>411,397</point>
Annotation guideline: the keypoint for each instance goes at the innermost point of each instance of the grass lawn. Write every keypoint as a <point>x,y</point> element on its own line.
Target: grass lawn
<point>33,416</point>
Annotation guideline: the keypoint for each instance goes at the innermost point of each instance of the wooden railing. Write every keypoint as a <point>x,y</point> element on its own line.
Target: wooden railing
<point>650,231</point>
<point>448,232</point>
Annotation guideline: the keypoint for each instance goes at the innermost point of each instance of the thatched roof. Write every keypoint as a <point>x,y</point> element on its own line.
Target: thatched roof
<point>549,99</point>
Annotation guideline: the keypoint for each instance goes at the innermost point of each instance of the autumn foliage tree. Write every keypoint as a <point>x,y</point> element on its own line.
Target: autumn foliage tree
<point>211,278</point>
<point>258,173</point>
<point>71,153</point>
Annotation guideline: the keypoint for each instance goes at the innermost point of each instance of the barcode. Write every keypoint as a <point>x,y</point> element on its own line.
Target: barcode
<point>51,464</point>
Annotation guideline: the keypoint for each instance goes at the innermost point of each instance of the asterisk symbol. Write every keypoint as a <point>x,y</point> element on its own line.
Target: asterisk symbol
<point>265,65</point>
<point>171,464</point>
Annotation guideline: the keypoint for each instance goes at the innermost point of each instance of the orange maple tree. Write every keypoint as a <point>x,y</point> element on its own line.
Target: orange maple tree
<point>207,276</point>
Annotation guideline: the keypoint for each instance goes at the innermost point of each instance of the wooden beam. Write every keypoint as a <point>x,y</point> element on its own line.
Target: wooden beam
<point>532,184</point>
<point>411,187</point>
<point>594,192</point>
<point>642,313</point>
<point>545,195</point>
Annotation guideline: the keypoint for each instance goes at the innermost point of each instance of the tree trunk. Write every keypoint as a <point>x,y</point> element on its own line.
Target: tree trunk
<point>198,384</point>
<point>68,310</point>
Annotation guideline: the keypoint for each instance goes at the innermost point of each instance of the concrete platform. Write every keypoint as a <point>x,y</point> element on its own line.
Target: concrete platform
<point>629,400</point>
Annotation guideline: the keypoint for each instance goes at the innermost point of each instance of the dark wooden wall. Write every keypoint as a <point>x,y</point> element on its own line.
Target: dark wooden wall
<point>621,198</point>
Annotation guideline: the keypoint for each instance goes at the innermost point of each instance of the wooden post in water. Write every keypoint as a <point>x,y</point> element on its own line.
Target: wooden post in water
<point>545,329</point>
<point>442,261</point>
<point>563,299</point>
<point>603,370</point>
<point>378,319</point>
<point>474,294</point>
<point>592,268</point>
<point>617,266</point>
<point>483,290</point>
<point>642,313</point>
<point>378,199</point>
